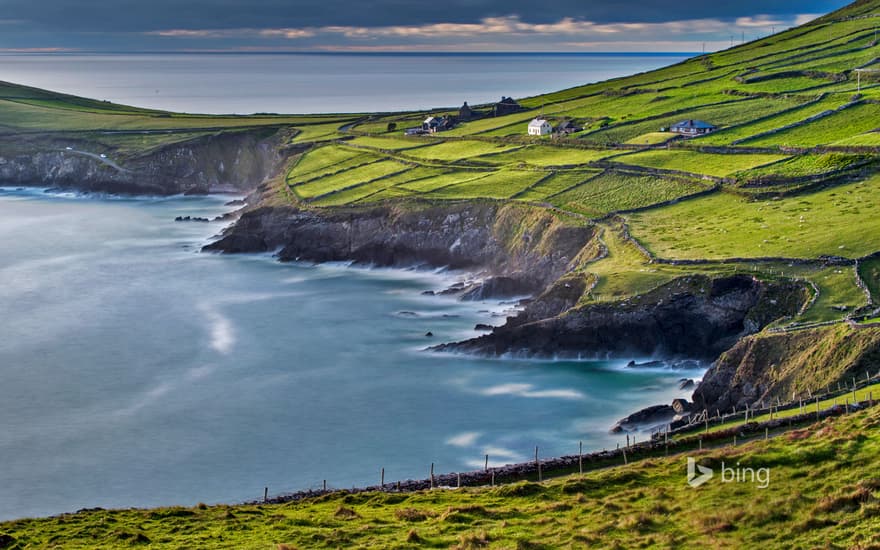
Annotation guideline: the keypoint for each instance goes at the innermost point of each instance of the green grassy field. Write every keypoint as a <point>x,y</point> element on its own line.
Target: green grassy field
<point>809,499</point>
<point>800,166</point>
<point>839,126</point>
<point>355,176</point>
<point>828,222</point>
<point>613,192</point>
<point>698,163</point>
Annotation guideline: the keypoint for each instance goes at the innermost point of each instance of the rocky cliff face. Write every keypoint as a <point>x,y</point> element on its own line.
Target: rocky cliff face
<point>527,246</point>
<point>695,316</point>
<point>766,366</point>
<point>225,162</point>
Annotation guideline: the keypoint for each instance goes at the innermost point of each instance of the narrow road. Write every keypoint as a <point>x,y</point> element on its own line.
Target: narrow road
<point>99,158</point>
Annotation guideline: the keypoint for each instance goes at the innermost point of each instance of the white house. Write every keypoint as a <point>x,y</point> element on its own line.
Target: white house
<point>540,127</point>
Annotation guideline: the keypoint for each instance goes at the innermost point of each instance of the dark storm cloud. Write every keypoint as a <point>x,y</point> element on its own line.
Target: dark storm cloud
<point>125,23</point>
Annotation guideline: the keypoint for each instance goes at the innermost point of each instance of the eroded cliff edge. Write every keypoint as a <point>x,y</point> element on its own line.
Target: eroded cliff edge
<point>221,162</point>
<point>523,248</point>
<point>691,317</point>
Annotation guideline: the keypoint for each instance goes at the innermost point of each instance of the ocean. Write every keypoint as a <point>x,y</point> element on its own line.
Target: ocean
<point>138,371</point>
<point>316,83</point>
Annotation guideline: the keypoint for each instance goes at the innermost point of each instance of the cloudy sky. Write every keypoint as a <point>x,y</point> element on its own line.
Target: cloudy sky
<point>395,25</point>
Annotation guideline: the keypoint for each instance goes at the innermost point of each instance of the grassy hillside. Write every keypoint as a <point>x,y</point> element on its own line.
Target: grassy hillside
<point>789,176</point>
<point>791,173</point>
<point>821,490</point>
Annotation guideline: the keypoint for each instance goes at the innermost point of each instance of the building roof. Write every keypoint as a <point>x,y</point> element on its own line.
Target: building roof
<point>693,124</point>
<point>537,123</point>
<point>431,119</point>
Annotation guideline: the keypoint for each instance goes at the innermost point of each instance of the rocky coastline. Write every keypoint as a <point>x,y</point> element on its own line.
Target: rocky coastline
<point>224,162</point>
<point>513,250</point>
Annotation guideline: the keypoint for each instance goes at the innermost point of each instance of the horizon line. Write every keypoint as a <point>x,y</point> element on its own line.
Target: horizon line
<point>338,52</point>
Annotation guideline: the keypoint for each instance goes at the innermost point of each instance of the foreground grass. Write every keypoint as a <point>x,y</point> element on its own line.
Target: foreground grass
<point>823,492</point>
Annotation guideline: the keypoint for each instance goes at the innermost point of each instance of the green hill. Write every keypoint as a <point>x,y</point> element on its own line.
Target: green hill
<point>785,190</point>
<point>820,490</point>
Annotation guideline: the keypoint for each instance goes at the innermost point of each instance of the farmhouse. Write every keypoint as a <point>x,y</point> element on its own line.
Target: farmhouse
<point>465,112</point>
<point>540,127</point>
<point>437,124</point>
<point>692,128</point>
<point>506,106</point>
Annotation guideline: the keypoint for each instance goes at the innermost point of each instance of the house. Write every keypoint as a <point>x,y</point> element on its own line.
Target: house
<point>465,112</point>
<point>438,124</point>
<point>540,127</point>
<point>692,128</point>
<point>506,106</point>
<point>567,127</point>
<point>431,124</point>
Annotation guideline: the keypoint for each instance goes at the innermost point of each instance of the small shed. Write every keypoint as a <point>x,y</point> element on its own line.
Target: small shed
<point>692,127</point>
<point>567,127</point>
<point>540,127</point>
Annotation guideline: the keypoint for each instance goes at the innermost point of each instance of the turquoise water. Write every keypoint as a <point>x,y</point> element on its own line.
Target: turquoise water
<point>137,371</point>
<point>313,83</point>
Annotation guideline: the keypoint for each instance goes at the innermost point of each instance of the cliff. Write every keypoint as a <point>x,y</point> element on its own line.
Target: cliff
<point>766,366</point>
<point>694,316</point>
<point>528,247</point>
<point>223,162</point>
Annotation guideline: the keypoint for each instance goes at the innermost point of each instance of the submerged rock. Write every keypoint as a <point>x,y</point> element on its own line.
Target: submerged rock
<point>681,406</point>
<point>654,414</point>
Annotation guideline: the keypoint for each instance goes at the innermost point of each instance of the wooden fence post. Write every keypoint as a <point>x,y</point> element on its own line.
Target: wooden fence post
<point>432,475</point>
<point>265,494</point>
<point>383,478</point>
<point>538,465</point>
<point>581,457</point>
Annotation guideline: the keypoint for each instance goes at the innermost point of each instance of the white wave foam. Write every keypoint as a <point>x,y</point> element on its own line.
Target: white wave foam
<point>465,439</point>
<point>221,330</point>
<point>528,390</point>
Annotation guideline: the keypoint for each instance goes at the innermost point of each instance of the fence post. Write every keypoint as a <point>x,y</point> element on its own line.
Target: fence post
<point>486,467</point>
<point>624,456</point>
<point>383,478</point>
<point>325,485</point>
<point>538,465</point>
<point>432,475</point>
<point>581,457</point>
<point>265,494</point>
<point>458,480</point>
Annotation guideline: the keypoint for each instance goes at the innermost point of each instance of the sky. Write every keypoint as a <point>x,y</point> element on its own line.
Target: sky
<point>395,25</point>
